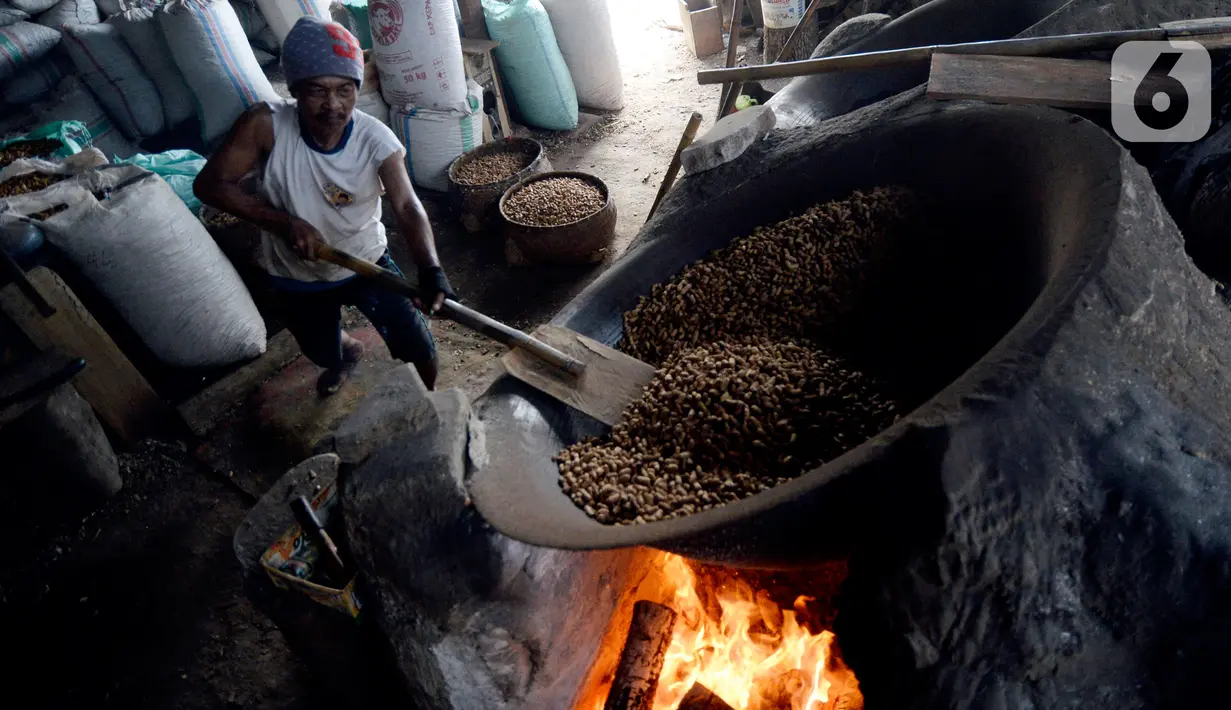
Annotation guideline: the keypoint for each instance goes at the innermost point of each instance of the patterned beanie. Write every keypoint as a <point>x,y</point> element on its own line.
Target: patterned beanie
<point>316,47</point>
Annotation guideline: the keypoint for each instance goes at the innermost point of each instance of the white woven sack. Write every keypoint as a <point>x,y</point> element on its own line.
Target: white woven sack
<point>22,43</point>
<point>70,12</point>
<point>32,7</point>
<point>433,139</point>
<point>583,31</point>
<point>36,81</point>
<point>144,37</point>
<point>371,103</point>
<point>114,75</point>
<point>283,14</point>
<point>10,15</point>
<point>74,103</point>
<point>249,17</point>
<point>216,61</point>
<point>155,262</point>
<point>418,51</point>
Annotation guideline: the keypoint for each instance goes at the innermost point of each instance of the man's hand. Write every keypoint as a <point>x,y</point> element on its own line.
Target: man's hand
<point>303,238</point>
<point>434,288</point>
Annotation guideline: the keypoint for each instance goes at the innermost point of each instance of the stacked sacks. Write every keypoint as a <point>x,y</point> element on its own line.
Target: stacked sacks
<point>73,102</point>
<point>36,81</point>
<point>70,12</point>
<point>434,138</point>
<point>281,15</point>
<point>23,43</point>
<point>216,61</point>
<point>116,78</point>
<point>153,260</point>
<point>140,30</point>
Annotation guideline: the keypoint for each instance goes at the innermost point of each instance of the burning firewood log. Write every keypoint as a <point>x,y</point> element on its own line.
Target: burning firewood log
<point>700,697</point>
<point>641,661</point>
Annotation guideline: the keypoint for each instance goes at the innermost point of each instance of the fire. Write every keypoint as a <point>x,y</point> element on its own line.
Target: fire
<point>755,657</point>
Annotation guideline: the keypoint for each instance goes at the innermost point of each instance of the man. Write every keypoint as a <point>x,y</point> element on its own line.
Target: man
<point>323,167</point>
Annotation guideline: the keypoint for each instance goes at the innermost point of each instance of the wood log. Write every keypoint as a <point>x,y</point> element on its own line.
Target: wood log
<point>807,33</point>
<point>700,697</point>
<point>641,661</point>
<point>808,20</point>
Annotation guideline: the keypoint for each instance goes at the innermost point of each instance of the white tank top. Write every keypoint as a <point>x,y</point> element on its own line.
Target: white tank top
<point>338,192</point>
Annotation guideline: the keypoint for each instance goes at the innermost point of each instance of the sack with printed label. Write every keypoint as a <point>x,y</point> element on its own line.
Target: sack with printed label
<point>418,51</point>
<point>433,138</point>
<point>216,61</point>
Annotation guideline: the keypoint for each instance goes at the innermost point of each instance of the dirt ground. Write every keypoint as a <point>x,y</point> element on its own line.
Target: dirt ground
<point>138,604</point>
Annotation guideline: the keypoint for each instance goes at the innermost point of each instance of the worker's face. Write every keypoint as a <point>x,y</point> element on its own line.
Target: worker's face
<point>326,102</point>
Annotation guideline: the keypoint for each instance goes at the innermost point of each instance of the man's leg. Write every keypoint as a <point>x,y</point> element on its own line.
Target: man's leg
<point>315,319</point>
<point>404,327</point>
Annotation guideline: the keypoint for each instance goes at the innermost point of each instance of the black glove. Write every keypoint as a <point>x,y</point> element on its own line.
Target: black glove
<point>432,283</point>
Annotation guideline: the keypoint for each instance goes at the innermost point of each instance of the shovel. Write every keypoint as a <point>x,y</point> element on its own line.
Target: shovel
<point>585,374</point>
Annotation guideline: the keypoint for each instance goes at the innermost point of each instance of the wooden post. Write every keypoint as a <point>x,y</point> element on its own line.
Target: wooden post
<point>690,132</point>
<point>473,24</point>
<point>793,41</point>
<point>776,39</point>
<point>732,45</point>
<point>645,648</point>
<point>700,697</point>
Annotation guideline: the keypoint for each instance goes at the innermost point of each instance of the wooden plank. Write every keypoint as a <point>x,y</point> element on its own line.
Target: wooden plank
<point>115,389</point>
<point>702,29</point>
<point>1068,83</point>
<point>203,411</point>
<point>478,46</point>
<point>502,108</point>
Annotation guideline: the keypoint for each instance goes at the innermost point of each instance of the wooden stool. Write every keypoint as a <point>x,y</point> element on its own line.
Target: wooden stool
<point>480,65</point>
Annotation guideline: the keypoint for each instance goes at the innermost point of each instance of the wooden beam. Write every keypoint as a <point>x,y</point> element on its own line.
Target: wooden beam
<point>204,410</point>
<point>473,24</point>
<point>111,384</point>
<point>1067,83</point>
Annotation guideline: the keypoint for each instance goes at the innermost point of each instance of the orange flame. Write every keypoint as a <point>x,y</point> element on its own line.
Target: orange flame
<point>755,657</point>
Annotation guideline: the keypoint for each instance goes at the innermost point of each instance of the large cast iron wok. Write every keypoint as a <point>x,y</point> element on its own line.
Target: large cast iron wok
<point>1024,207</point>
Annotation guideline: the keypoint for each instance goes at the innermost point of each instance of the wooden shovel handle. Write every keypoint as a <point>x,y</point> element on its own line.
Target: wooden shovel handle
<point>455,311</point>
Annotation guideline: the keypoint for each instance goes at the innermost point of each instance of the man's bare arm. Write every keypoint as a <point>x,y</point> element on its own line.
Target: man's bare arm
<point>408,211</point>
<point>218,183</point>
<point>412,222</point>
